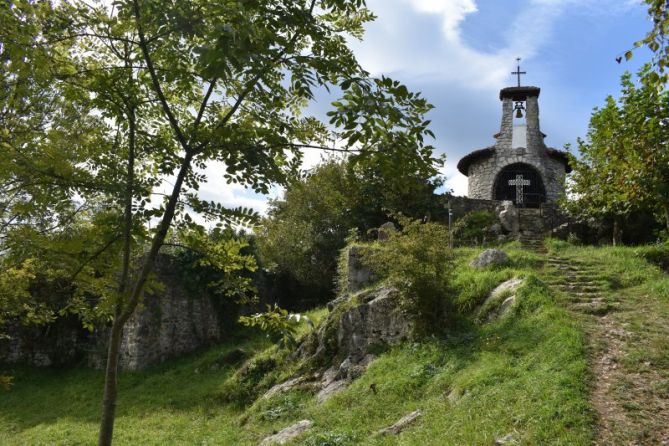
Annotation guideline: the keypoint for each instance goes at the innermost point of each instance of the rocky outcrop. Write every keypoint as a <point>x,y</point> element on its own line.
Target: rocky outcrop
<point>377,320</point>
<point>490,257</point>
<point>287,434</point>
<point>359,276</point>
<point>357,327</point>
<point>402,423</point>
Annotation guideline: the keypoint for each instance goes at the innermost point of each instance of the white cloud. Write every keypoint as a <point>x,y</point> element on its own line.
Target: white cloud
<point>392,45</point>
<point>453,12</point>
<point>455,181</point>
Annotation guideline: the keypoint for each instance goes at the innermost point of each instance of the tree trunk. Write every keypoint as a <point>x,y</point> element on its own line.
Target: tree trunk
<point>109,398</point>
<point>617,230</point>
<point>666,214</point>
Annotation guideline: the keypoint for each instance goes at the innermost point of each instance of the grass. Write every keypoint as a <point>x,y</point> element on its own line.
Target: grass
<point>523,375</point>
<point>640,384</point>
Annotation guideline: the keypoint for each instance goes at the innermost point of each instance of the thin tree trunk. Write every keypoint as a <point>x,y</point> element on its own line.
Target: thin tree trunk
<point>110,391</point>
<point>666,214</point>
<point>115,337</point>
<point>617,231</point>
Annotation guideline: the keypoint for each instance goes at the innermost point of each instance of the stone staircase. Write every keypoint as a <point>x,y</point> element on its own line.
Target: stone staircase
<point>582,286</point>
<point>532,229</point>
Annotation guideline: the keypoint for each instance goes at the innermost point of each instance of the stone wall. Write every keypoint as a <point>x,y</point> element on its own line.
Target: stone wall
<point>168,324</point>
<point>461,206</point>
<point>482,174</point>
<point>61,343</point>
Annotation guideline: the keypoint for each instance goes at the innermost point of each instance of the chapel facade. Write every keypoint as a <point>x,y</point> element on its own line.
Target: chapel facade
<point>519,167</point>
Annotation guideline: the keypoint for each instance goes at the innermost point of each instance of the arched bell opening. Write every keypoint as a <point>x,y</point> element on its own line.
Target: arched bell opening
<point>522,184</point>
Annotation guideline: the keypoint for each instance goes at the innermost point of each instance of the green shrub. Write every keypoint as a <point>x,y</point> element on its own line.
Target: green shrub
<point>475,228</point>
<point>418,261</point>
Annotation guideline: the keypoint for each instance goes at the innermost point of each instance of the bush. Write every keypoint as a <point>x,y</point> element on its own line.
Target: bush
<point>475,228</point>
<point>417,260</point>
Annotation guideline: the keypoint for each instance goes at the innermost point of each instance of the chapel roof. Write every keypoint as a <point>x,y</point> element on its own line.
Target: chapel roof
<point>468,160</point>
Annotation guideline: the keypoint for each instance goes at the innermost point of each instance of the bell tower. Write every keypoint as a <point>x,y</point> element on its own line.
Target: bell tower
<point>518,166</point>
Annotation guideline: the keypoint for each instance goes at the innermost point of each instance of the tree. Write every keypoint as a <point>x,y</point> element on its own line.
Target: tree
<point>645,117</point>
<point>170,87</point>
<point>305,230</point>
<point>596,181</point>
<point>624,163</point>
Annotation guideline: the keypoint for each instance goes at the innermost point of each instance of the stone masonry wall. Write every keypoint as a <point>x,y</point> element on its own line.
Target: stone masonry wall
<point>483,172</point>
<point>170,323</point>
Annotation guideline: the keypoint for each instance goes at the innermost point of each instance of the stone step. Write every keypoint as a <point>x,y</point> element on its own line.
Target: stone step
<point>587,298</point>
<point>581,288</point>
<point>596,308</point>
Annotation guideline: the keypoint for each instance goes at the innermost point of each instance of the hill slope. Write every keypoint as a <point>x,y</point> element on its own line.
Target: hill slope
<point>521,379</point>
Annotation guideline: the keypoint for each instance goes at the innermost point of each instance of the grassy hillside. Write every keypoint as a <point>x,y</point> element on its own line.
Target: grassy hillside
<point>524,377</point>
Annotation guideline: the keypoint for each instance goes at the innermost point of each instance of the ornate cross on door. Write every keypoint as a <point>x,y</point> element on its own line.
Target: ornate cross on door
<point>519,182</point>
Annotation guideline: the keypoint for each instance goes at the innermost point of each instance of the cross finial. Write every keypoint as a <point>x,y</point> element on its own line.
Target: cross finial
<point>518,72</point>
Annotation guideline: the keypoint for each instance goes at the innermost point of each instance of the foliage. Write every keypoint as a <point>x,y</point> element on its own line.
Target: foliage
<point>418,261</point>
<point>135,97</point>
<point>475,227</point>
<point>306,229</point>
<point>624,164</point>
<point>303,232</point>
<point>657,40</point>
<point>279,324</point>
<point>525,375</point>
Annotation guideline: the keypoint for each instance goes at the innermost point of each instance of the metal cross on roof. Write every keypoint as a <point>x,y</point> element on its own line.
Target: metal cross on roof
<point>519,182</point>
<point>518,72</point>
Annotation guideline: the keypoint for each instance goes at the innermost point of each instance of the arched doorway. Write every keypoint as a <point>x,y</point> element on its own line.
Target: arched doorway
<point>522,184</point>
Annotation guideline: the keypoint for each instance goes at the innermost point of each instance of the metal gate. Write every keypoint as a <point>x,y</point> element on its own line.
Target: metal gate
<point>522,184</point>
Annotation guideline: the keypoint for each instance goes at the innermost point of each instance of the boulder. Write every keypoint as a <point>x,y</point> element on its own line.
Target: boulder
<point>509,218</point>
<point>490,257</point>
<point>507,291</point>
<point>386,230</point>
<point>287,434</point>
<point>330,389</point>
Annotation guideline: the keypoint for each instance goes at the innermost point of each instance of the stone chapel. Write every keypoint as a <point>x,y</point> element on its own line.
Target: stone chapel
<point>519,166</point>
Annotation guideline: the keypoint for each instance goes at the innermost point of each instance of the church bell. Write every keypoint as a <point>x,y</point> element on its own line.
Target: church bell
<point>519,109</point>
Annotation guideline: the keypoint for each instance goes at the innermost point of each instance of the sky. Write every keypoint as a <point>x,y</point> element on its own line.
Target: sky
<point>460,53</point>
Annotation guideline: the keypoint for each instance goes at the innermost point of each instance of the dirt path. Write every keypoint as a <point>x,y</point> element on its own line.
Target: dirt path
<point>629,407</point>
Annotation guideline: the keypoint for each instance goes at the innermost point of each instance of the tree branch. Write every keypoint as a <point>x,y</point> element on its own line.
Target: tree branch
<point>183,141</point>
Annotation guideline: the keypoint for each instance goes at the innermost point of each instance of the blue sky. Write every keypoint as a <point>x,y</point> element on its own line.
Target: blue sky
<point>460,53</point>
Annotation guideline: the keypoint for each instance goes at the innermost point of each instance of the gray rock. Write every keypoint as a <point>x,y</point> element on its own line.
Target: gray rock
<point>386,230</point>
<point>285,386</point>
<point>507,290</point>
<point>506,305</point>
<point>376,322</point>
<point>509,217</point>
<point>332,388</point>
<point>287,434</point>
<point>402,424</point>
<point>507,439</point>
<point>490,257</point>
<point>359,276</point>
